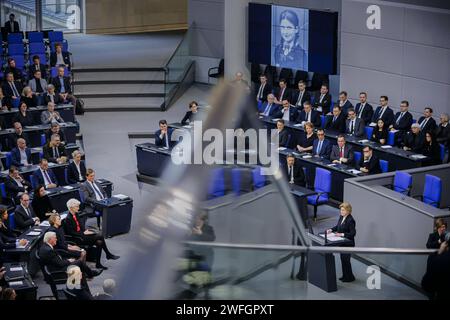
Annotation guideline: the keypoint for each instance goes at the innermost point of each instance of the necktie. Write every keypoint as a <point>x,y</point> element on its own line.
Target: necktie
<point>55,152</point>
<point>381,113</point>
<point>352,127</point>
<point>76,222</point>
<point>47,177</point>
<point>28,212</point>
<point>319,148</point>
<point>167,140</point>
<point>260,92</point>
<point>399,118</point>
<point>341,153</point>
<point>334,119</point>
<point>14,89</point>
<point>300,96</point>
<point>61,81</point>
<point>267,111</point>
<point>281,95</point>
<point>321,98</point>
<point>423,124</point>
<point>291,176</point>
<point>361,109</point>
<point>97,191</point>
<point>12,26</point>
<point>308,117</point>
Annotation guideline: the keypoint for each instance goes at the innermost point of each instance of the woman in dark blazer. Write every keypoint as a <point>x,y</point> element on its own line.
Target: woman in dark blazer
<point>66,250</point>
<point>306,142</point>
<point>74,226</point>
<point>380,133</point>
<point>432,150</point>
<point>23,116</point>
<point>41,203</point>
<point>436,238</point>
<point>76,170</point>
<point>190,115</point>
<point>29,98</point>
<point>346,227</point>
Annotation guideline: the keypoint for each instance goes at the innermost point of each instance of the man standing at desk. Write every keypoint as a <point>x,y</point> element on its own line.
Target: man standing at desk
<point>342,153</point>
<point>369,163</point>
<point>24,216</point>
<point>163,137</point>
<point>92,192</point>
<point>294,172</point>
<point>346,228</point>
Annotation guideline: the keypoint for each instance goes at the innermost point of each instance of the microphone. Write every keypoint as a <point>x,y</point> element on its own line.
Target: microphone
<point>326,234</point>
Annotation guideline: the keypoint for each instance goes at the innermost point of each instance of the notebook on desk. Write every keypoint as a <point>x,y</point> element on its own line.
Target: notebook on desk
<point>14,273</point>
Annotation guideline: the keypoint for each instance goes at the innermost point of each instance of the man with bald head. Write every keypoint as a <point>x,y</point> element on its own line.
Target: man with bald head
<point>21,155</point>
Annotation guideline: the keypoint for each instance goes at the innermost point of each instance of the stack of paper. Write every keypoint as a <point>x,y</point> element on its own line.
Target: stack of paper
<point>68,187</point>
<point>33,233</point>
<point>120,196</point>
<point>332,237</point>
<point>386,147</point>
<point>15,283</point>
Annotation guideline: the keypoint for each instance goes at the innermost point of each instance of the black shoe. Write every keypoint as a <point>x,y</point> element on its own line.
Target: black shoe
<point>112,257</point>
<point>349,279</point>
<point>301,276</point>
<point>100,266</point>
<point>96,272</point>
<point>341,278</point>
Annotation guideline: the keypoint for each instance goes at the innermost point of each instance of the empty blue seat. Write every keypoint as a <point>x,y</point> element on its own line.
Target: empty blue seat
<point>322,185</point>
<point>391,138</point>
<point>66,176</point>
<point>357,156</point>
<point>236,180</point>
<point>384,166</point>
<point>12,221</point>
<point>259,180</point>
<point>442,150</point>
<point>432,190</point>
<point>43,140</point>
<point>368,131</point>
<point>260,104</point>
<point>322,121</point>
<point>15,103</point>
<point>8,159</point>
<point>3,190</point>
<point>216,186</point>
<point>402,182</point>
<point>15,38</point>
<point>36,48</point>
<point>35,36</point>
<point>15,49</point>
<point>55,36</point>
<point>33,181</point>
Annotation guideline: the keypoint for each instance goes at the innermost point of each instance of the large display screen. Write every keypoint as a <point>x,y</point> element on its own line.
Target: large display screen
<point>295,38</point>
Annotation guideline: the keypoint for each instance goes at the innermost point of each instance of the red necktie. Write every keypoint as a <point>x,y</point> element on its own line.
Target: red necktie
<point>77,223</point>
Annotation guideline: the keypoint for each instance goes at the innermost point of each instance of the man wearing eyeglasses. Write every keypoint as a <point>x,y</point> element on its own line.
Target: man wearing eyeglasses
<point>369,163</point>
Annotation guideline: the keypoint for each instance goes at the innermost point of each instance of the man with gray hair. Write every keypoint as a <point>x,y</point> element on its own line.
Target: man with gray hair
<point>52,96</point>
<point>50,258</point>
<point>414,140</point>
<point>50,115</point>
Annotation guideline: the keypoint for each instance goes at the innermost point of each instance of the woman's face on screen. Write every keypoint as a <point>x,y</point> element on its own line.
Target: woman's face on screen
<point>288,30</point>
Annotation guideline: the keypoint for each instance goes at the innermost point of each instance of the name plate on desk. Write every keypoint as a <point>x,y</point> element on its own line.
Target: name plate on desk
<point>417,156</point>
<point>354,171</point>
<point>121,197</point>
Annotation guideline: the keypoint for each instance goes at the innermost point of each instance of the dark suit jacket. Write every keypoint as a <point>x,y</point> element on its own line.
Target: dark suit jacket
<point>433,239</point>
<point>326,102</point>
<point>338,125</point>
<point>70,226</point>
<point>405,122</point>
<point>283,138</point>
<point>358,127</point>
<point>306,97</point>
<point>367,113</point>
<point>347,105</point>
<point>273,109</point>
<point>188,116</point>
<point>72,172</point>
<point>54,58</point>
<point>348,153</point>
<point>33,68</point>
<point>325,151</point>
<point>293,114</point>
<point>62,137</point>
<point>57,84</point>
<point>2,124</point>
<point>48,152</point>
<point>18,75</point>
<point>286,96</point>
<point>12,188</point>
<point>373,165</point>
<point>388,116</point>
<point>50,258</point>
<point>89,196</point>
<point>414,141</point>
<point>8,91</point>
<point>315,118</point>
<point>40,178</point>
<point>299,175</point>
<point>23,221</point>
<point>348,228</point>
<point>9,29</point>
<point>430,126</point>
<point>266,91</point>
<point>27,120</point>
<point>162,142</point>
<point>57,99</point>
<point>443,135</point>
<point>15,157</point>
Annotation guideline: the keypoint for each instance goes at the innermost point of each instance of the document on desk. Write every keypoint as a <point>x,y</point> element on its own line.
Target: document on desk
<point>18,246</point>
<point>120,196</point>
<point>33,233</point>
<point>354,171</point>
<point>363,141</point>
<point>298,125</point>
<point>15,269</point>
<point>281,148</point>
<point>51,164</point>
<point>15,283</point>
<point>36,149</point>
<point>372,124</point>
<point>418,156</point>
<point>31,127</point>
<point>307,157</point>
<point>386,147</point>
<point>332,237</point>
<point>63,216</point>
<point>68,187</point>
<point>45,224</point>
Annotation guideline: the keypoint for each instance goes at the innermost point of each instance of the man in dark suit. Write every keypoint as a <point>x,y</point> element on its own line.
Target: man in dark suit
<point>12,89</point>
<point>45,176</point>
<point>384,112</point>
<point>55,128</point>
<point>426,122</point>
<point>24,216</point>
<point>63,87</point>
<point>282,134</point>
<point>59,58</point>
<point>344,104</point>
<point>414,140</point>
<point>263,90</point>
<point>323,100</point>
<point>301,96</point>
<point>54,262</point>
<point>270,108</point>
<point>402,122</point>
<point>37,66</point>
<point>76,170</point>
<point>52,96</point>
<point>16,135</point>
<point>336,122</point>
<point>309,115</point>
<point>443,131</point>
<point>363,109</point>
<point>321,146</point>
<point>92,192</point>
<point>354,126</point>
<point>163,137</point>
<point>15,184</point>
<point>54,151</point>
<point>294,171</point>
<point>21,156</point>
<point>12,26</point>
<point>342,153</point>
<point>369,163</point>
<point>282,93</point>
<point>11,68</point>
<point>287,113</point>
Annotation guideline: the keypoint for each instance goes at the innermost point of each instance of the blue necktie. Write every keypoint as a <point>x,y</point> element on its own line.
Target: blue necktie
<point>266,112</point>
<point>63,89</point>
<point>319,147</point>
